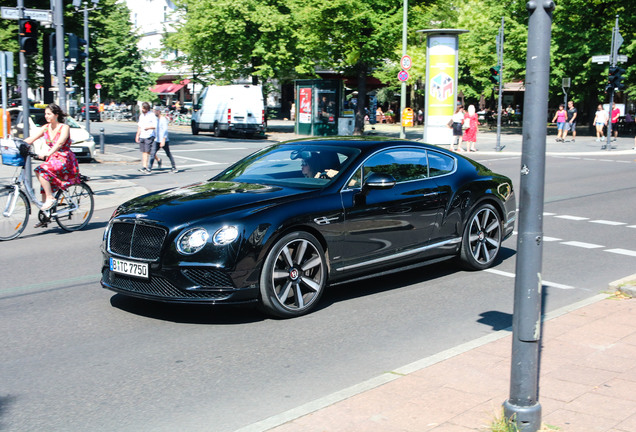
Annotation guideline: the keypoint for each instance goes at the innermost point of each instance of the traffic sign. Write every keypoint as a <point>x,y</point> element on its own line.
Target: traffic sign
<point>98,86</point>
<point>403,75</point>
<point>41,15</point>
<point>406,62</point>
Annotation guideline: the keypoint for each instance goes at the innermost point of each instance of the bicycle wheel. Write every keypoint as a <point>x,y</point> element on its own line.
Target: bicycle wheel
<point>12,225</point>
<point>74,207</point>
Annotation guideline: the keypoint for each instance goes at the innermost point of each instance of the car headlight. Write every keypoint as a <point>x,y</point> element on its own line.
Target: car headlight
<point>192,241</point>
<point>225,235</point>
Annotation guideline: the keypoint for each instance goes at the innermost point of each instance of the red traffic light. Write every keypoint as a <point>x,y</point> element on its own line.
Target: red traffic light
<point>28,35</point>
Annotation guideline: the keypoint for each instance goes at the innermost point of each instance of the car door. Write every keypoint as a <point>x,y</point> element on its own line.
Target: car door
<point>386,225</point>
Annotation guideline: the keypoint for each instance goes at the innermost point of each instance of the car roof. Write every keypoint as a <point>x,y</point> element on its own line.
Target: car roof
<point>364,143</point>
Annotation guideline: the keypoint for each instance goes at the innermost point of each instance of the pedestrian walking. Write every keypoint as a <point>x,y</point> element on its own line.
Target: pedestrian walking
<point>457,122</point>
<point>145,135</point>
<point>600,121</point>
<point>570,124</point>
<point>560,118</point>
<point>470,134</point>
<point>616,113</point>
<point>162,141</point>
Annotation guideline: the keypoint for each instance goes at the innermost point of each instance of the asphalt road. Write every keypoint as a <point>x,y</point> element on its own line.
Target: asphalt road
<point>77,357</point>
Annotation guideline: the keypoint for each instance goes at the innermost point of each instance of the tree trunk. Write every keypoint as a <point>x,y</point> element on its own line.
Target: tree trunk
<point>362,99</point>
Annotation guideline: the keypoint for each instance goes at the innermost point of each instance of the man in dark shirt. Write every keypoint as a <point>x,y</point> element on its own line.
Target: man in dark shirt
<point>570,124</point>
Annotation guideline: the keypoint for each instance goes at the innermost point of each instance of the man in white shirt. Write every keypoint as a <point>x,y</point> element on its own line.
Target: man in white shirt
<point>145,135</point>
<point>162,141</point>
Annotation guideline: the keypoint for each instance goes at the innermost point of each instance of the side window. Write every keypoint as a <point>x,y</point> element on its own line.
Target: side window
<point>440,164</point>
<point>402,164</point>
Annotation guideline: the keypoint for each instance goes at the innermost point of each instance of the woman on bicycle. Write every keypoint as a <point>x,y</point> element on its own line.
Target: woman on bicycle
<point>60,168</point>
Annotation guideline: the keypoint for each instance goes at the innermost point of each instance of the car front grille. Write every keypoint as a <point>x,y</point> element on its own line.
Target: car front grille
<point>136,240</point>
<point>208,278</point>
<point>157,287</point>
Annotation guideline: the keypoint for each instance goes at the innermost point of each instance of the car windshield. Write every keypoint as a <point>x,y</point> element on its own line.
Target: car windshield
<point>302,165</point>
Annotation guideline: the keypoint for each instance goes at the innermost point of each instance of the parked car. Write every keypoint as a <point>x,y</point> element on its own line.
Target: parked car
<point>83,143</point>
<point>93,113</point>
<point>268,230</point>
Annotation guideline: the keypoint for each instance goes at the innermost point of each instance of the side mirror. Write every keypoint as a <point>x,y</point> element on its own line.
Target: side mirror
<point>379,181</point>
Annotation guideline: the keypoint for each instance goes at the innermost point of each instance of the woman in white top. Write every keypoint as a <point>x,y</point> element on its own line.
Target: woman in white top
<point>600,121</point>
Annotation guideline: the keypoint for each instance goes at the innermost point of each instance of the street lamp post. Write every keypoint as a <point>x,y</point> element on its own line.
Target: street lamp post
<point>87,117</point>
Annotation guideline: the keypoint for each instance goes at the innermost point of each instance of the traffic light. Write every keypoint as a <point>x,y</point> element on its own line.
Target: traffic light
<point>28,36</point>
<point>494,74</point>
<point>76,48</point>
<point>614,79</point>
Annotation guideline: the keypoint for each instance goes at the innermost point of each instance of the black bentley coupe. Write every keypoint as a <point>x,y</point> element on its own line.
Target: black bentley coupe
<point>280,225</point>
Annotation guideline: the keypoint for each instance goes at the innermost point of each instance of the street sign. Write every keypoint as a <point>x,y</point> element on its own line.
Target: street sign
<point>7,64</point>
<point>98,86</point>
<point>403,75</point>
<point>45,16</point>
<point>406,62</point>
<point>606,58</point>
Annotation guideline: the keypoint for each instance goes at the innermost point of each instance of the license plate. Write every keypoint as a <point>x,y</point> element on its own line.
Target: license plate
<point>129,268</point>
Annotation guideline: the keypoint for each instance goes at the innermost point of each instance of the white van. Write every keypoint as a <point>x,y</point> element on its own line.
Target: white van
<point>228,109</point>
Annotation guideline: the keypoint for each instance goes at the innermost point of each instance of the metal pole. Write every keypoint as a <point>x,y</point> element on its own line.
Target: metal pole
<point>24,92</point>
<point>500,37</point>
<point>58,17</point>
<point>523,404</point>
<point>405,8</point>
<point>3,65</point>
<point>613,62</point>
<point>101,140</point>
<point>86,80</point>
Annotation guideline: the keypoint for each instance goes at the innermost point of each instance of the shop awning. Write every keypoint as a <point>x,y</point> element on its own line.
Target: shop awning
<point>166,89</point>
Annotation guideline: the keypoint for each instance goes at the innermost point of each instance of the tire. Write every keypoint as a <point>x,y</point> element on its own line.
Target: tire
<point>74,220</point>
<point>481,241</point>
<point>195,128</point>
<point>217,130</point>
<point>294,276</point>
<point>12,226</point>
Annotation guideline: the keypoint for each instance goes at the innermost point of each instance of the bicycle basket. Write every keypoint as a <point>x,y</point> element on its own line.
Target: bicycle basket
<point>11,154</point>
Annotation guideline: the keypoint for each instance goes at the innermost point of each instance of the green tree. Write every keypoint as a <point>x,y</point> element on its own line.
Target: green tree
<point>351,36</point>
<point>223,40</point>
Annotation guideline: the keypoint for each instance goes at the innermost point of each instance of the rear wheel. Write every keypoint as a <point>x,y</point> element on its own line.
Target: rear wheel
<point>294,276</point>
<point>13,222</point>
<point>482,238</point>
<point>74,208</point>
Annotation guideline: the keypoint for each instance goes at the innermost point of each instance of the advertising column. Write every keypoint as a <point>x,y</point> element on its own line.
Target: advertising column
<point>441,84</point>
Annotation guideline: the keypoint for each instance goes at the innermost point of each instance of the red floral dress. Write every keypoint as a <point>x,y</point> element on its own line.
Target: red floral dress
<point>60,169</point>
<point>470,134</point>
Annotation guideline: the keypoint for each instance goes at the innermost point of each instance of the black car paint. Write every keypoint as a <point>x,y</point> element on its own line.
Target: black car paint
<point>342,219</point>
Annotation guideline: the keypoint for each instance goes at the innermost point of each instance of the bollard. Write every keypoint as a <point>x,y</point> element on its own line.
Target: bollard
<point>101,140</point>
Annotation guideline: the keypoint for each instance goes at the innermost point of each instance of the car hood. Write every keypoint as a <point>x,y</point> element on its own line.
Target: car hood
<point>190,204</point>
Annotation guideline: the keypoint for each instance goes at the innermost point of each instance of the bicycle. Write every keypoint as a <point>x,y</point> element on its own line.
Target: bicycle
<point>72,210</point>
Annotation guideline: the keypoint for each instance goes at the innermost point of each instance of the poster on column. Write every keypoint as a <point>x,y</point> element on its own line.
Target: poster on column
<point>442,85</point>
<point>304,110</point>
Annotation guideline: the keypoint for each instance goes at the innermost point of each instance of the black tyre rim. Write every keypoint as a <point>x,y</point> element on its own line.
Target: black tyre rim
<point>298,275</point>
<point>484,236</point>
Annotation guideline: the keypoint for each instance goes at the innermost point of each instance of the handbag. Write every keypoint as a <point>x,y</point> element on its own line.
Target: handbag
<point>450,123</point>
<point>466,123</point>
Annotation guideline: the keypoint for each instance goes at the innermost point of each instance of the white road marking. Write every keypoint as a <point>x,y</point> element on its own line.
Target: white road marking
<point>550,239</point>
<point>574,218</point>
<point>582,245</point>
<point>622,252</point>
<point>548,214</point>
<point>606,222</point>
<point>545,283</point>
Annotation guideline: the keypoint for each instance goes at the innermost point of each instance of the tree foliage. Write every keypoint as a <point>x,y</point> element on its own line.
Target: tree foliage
<point>114,60</point>
<point>224,40</point>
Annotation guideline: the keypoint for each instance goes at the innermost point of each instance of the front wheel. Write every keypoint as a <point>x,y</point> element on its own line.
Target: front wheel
<point>294,276</point>
<point>74,207</point>
<point>482,238</point>
<point>14,213</point>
